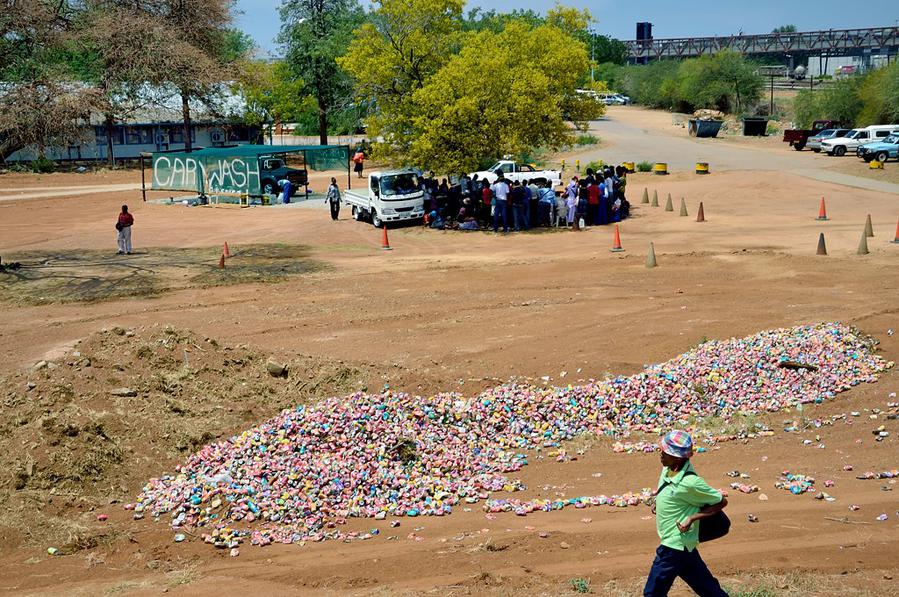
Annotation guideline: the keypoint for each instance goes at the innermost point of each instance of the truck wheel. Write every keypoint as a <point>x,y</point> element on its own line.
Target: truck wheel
<point>357,215</point>
<point>799,146</point>
<point>268,187</point>
<point>839,151</point>
<point>882,156</point>
<point>375,219</point>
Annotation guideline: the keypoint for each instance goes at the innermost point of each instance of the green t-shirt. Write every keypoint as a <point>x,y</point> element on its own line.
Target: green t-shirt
<point>684,498</point>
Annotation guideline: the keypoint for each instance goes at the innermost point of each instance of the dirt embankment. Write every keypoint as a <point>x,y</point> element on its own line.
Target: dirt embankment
<point>79,433</point>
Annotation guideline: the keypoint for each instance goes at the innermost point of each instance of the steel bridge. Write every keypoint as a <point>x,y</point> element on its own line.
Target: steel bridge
<point>833,42</point>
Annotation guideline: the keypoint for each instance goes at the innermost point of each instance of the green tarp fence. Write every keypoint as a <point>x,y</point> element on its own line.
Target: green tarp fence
<point>235,170</point>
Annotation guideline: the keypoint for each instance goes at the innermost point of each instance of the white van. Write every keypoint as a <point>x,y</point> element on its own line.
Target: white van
<point>857,137</point>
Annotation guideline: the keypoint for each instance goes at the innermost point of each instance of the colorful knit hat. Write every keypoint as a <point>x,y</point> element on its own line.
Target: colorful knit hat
<point>678,444</point>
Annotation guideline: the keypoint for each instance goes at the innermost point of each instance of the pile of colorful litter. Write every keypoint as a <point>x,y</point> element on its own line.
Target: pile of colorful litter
<point>523,508</point>
<point>796,484</point>
<point>893,474</point>
<point>306,470</point>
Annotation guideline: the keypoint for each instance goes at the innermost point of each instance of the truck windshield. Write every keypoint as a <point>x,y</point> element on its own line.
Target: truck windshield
<point>892,139</point>
<point>853,134</point>
<point>505,167</point>
<point>399,184</point>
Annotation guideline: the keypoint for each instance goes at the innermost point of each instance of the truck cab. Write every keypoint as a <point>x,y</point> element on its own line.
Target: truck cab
<point>880,150</point>
<point>514,171</point>
<point>390,196</point>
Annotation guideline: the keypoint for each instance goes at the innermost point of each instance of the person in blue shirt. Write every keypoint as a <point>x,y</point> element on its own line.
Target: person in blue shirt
<point>286,189</point>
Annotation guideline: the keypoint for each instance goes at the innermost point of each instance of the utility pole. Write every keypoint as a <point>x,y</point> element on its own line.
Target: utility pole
<point>592,46</point>
<point>771,112</point>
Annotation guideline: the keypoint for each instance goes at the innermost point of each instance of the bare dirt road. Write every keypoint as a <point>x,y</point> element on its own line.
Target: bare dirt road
<point>458,311</point>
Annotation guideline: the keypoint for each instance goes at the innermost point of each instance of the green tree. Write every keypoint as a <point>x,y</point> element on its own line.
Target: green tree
<point>315,33</point>
<point>725,81</point>
<point>479,19</point>
<point>521,105</point>
<point>608,49</point>
<point>271,92</point>
<point>785,29</point>
<point>39,105</point>
<point>841,101</point>
<point>395,54</point>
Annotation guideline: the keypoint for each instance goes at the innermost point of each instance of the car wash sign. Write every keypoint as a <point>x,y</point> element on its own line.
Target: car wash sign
<point>206,174</point>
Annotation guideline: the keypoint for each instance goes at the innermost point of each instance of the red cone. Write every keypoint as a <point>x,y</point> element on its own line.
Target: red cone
<point>385,243</point>
<point>700,217</point>
<point>226,252</point>
<point>616,242</point>
<point>822,211</point>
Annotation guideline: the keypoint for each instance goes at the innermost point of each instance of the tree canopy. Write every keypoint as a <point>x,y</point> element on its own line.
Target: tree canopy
<point>451,98</point>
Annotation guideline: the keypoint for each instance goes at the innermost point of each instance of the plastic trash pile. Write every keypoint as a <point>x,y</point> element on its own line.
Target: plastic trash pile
<point>300,474</point>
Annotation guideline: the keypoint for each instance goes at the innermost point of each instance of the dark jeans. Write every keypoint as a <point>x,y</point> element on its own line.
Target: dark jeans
<point>335,209</point>
<point>671,563</point>
<point>603,212</point>
<point>593,215</point>
<point>546,212</point>
<point>521,218</point>
<point>499,215</point>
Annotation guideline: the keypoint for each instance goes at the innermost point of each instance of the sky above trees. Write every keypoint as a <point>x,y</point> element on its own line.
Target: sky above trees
<point>618,19</point>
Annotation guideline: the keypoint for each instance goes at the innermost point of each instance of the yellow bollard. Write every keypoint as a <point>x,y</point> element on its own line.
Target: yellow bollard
<point>563,166</point>
<point>660,168</point>
<point>577,165</point>
<point>629,167</point>
<point>875,165</point>
<point>702,167</point>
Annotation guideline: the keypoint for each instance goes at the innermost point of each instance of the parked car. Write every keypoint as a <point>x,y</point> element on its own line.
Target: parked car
<point>797,138</point>
<point>880,150</point>
<point>856,138</point>
<point>514,171</point>
<point>814,143</point>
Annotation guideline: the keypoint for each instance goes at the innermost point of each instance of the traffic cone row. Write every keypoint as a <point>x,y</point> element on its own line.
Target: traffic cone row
<point>669,205</point>
<point>867,233</point>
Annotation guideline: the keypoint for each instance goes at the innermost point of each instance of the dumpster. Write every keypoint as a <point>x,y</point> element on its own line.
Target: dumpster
<point>755,127</point>
<point>704,128</point>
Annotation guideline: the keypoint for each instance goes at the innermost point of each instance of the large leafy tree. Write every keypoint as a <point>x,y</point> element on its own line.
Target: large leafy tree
<point>271,93</point>
<point>314,34</point>
<point>395,54</point>
<point>522,103</point>
<point>39,104</point>
<point>501,92</point>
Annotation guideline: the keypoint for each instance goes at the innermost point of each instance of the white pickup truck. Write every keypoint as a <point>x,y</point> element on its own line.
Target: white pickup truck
<point>521,172</point>
<point>391,196</point>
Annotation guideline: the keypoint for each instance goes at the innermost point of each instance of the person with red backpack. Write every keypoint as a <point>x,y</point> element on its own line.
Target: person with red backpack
<point>682,503</point>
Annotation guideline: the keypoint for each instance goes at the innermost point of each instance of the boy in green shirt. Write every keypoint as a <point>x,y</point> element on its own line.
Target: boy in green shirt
<point>683,498</point>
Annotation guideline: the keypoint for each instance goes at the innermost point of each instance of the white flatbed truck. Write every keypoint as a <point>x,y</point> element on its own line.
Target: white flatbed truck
<point>391,196</point>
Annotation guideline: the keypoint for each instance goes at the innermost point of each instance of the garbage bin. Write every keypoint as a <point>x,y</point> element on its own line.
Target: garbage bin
<point>704,128</point>
<point>755,127</point>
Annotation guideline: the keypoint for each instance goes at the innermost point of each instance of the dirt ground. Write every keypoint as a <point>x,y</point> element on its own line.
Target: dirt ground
<point>441,311</point>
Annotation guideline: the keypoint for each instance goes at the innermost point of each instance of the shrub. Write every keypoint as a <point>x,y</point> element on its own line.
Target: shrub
<point>644,167</point>
<point>580,585</point>
<point>586,139</point>
<point>594,165</point>
<point>42,165</point>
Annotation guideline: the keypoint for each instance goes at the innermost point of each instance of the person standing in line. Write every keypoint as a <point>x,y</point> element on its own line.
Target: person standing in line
<point>518,198</point>
<point>123,226</point>
<point>546,203</point>
<point>592,202</point>
<point>571,199</point>
<point>681,501</point>
<point>500,192</point>
<point>333,198</point>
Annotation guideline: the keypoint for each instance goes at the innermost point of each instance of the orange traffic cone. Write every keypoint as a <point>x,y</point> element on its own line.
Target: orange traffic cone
<point>616,242</point>
<point>700,216</point>
<point>222,262</point>
<point>385,244</point>
<point>896,240</point>
<point>225,252</point>
<point>822,211</point>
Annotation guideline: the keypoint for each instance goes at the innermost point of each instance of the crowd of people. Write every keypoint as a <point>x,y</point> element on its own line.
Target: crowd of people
<point>597,198</point>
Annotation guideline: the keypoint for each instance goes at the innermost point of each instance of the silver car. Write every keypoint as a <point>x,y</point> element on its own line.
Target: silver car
<point>814,143</point>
